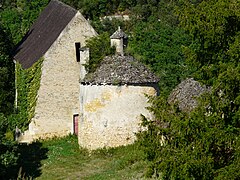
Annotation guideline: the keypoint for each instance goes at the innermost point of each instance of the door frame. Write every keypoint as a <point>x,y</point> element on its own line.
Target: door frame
<point>75,123</point>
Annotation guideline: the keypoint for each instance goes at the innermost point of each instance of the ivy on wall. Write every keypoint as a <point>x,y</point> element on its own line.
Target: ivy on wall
<point>27,85</point>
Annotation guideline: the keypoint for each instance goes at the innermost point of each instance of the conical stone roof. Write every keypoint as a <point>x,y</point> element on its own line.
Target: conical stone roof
<point>118,70</point>
<point>119,34</point>
<point>186,94</point>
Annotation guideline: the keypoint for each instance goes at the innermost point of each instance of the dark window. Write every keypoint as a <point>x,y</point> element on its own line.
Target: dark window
<point>77,47</point>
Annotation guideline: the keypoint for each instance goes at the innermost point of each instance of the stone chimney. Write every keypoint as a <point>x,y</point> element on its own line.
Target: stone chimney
<point>84,59</point>
<point>119,40</point>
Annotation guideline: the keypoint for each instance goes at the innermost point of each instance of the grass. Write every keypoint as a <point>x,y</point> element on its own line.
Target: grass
<point>65,160</point>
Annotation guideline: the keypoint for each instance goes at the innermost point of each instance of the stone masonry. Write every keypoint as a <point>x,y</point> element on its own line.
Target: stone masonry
<point>58,96</point>
<point>111,115</point>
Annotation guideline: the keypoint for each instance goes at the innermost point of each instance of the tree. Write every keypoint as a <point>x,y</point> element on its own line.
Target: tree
<point>99,48</point>
<point>158,45</point>
<point>6,74</point>
<point>214,27</point>
<point>205,143</point>
<point>17,16</point>
<point>8,149</point>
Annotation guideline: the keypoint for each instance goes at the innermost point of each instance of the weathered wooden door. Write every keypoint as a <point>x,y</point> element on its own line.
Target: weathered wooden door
<point>75,124</point>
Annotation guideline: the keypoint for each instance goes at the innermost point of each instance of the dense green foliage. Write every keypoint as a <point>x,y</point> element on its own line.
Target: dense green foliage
<point>99,48</point>
<point>6,73</point>
<point>201,145</point>
<point>8,148</point>
<point>28,83</point>
<point>142,10</point>
<point>159,46</point>
<point>205,143</point>
<point>214,27</point>
<point>18,15</point>
<point>8,155</point>
<point>110,26</point>
<point>15,19</point>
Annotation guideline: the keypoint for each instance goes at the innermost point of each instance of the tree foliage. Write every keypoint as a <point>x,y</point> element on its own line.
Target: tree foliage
<point>6,74</point>
<point>214,27</point>
<point>27,84</point>
<point>205,143</point>
<point>159,46</point>
<point>15,19</point>
<point>99,48</point>
<point>8,148</point>
<point>201,145</point>
<point>141,9</point>
<point>18,15</point>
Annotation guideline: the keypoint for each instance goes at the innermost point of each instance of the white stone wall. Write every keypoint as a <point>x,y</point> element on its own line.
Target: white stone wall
<point>58,95</point>
<point>110,115</point>
<point>84,59</point>
<point>120,17</point>
<point>118,43</point>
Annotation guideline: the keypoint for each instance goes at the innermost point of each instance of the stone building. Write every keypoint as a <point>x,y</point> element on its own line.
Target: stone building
<point>105,108</point>
<point>57,36</point>
<point>113,98</point>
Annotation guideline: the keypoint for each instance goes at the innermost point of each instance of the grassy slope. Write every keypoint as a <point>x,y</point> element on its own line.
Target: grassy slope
<point>66,161</point>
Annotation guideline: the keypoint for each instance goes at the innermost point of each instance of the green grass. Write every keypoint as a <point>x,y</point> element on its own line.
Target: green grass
<point>65,160</point>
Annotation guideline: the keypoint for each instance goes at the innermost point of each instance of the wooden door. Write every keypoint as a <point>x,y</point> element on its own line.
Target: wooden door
<point>75,124</point>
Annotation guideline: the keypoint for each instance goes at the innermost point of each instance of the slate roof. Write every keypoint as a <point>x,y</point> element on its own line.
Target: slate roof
<point>43,32</point>
<point>118,70</point>
<point>186,94</point>
<point>119,34</point>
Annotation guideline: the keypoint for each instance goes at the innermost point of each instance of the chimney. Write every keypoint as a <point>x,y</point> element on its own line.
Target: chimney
<point>119,40</point>
<point>84,59</point>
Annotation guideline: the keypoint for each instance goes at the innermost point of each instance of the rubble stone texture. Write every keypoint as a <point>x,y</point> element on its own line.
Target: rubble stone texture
<point>111,115</point>
<point>121,70</point>
<point>58,95</point>
<point>112,100</point>
<point>186,94</point>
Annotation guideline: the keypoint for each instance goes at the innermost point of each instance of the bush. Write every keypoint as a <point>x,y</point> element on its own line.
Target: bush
<point>99,48</point>
<point>159,46</point>
<point>8,149</point>
<point>201,145</point>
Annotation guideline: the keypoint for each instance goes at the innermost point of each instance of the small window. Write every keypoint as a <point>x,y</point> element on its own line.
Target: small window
<point>77,47</point>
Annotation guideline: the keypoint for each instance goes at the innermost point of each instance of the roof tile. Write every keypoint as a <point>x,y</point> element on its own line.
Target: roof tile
<point>121,70</point>
<point>46,29</point>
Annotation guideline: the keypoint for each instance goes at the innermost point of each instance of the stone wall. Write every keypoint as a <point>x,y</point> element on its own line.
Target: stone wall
<point>110,115</point>
<point>118,43</point>
<point>119,17</point>
<point>58,95</point>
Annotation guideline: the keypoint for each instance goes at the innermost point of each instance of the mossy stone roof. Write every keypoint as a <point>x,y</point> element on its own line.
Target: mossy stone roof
<point>186,94</point>
<point>118,70</point>
<point>119,34</point>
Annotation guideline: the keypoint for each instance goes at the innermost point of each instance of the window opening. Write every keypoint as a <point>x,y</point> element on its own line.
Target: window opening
<point>77,47</point>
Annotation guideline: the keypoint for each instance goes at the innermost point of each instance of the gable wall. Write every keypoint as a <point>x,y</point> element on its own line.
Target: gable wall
<point>110,115</point>
<point>58,96</point>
